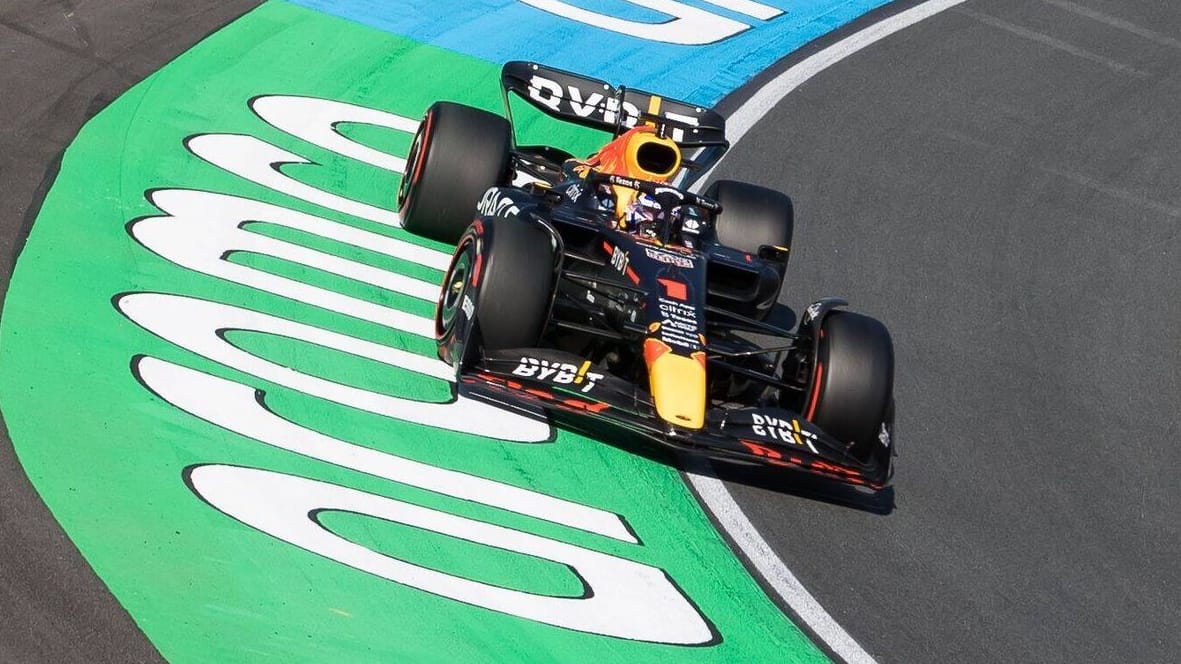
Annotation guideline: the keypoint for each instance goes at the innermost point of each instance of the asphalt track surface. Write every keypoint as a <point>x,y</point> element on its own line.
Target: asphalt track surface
<point>60,63</point>
<point>997,183</point>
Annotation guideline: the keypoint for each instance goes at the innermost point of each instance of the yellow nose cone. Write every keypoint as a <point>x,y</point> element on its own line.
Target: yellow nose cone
<point>677,384</point>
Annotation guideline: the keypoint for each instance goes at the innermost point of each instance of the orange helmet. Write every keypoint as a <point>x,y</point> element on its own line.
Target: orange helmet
<point>638,153</point>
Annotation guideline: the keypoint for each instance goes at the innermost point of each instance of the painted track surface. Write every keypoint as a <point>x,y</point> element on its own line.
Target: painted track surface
<point>962,175</point>
<point>999,184</point>
<point>61,63</point>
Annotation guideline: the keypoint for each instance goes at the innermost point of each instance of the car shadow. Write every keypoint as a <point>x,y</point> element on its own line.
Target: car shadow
<point>800,485</point>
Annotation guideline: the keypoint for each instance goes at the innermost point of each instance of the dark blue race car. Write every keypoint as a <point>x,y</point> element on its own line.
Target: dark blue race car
<point>602,292</point>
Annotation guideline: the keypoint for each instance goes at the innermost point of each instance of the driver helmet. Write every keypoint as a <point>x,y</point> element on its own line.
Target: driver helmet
<point>643,216</point>
<point>642,154</point>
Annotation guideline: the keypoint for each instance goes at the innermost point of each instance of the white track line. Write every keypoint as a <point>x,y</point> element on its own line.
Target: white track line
<point>713,491</point>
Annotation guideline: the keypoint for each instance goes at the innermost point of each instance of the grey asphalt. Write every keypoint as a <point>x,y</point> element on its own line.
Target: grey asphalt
<point>61,62</point>
<point>1001,184</point>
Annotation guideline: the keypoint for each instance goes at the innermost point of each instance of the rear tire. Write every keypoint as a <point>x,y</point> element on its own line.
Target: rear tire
<point>458,153</point>
<point>853,385</point>
<point>751,217</point>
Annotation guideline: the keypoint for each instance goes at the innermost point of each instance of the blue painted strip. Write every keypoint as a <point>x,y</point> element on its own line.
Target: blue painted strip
<point>502,30</point>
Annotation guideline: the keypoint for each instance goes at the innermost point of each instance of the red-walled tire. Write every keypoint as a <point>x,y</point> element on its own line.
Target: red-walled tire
<point>457,154</point>
<point>853,387</point>
<point>506,267</point>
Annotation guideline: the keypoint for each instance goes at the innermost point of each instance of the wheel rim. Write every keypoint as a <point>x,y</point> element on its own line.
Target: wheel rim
<point>454,289</point>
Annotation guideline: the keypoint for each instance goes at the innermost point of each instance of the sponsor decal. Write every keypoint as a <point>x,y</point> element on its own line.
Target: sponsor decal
<point>619,260</point>
<point>570,99</point>
<point>674,289</point>
<point>668,258</point>
<point>469,308</point>
<point>679,325</point>
<point>533,394</point>
<point>574,192</point>
<point>884,435</point>
<point>495,203</point>
<point>812,311</point>
<point>620,181</point>
<point>558,373</point>
<point>775,458</point>
<point>786,431</point>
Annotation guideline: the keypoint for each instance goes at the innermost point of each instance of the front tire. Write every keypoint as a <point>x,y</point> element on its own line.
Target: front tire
<point>507,270</point>
<point>458,153</point>
<point>852,389</point>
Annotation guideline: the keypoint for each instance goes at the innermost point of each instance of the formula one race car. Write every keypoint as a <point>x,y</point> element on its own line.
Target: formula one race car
<point>600,292</point>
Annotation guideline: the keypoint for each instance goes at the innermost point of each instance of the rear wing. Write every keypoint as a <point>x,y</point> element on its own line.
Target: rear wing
<point>597,104</point>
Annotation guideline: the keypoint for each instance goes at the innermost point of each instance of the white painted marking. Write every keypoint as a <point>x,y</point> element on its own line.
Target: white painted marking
<point>318,122</point>
<point>622,598</point>
<point>713,491</point>
<point>688,25</point>
<point>203,229</point>
<point>197,325</point>
<point>260,162</point>
<point>238,408</point>
<point>753,9</point>
<point>716,496</point>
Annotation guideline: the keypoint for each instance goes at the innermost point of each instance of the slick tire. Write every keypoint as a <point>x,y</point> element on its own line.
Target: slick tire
<point>751,217</point>
<point>457,154</point>
<point>508,268</point>
<point>853,385</point>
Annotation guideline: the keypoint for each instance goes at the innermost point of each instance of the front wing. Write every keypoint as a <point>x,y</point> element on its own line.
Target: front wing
<point>533,380</point>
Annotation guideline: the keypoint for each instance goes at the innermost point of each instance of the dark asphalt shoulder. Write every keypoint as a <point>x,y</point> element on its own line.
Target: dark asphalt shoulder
<point>60,63</point>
